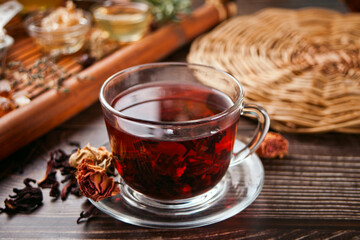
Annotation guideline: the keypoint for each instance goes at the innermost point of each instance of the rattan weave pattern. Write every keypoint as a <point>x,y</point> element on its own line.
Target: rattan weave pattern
<point>302,66</point>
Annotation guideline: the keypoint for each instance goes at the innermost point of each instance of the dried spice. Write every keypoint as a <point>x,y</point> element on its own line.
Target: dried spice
<point>91,211</point>
<point>100,45</point>
<point>55,191</point>
<point>59,160</point>
<point>101,157</point>
<point>26,83</point>
<point>25,200</point>
<point>50,176</point>
<point>6,106</point>
<point>274,145</point>
<point>86,60</point>
<point>94,182</point>
<point>28,199</point>
<point>68,188</point>
<point>44,74</point>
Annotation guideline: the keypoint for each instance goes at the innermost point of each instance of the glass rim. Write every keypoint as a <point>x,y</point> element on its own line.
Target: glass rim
<point>142,6</point>
<point>235,106</point>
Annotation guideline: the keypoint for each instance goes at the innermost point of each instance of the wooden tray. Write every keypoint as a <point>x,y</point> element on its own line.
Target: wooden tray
<point>53,107</point>
<point>303,66</point>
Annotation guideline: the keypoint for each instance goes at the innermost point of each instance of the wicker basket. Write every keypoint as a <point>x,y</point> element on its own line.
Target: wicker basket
<point>302,66</point>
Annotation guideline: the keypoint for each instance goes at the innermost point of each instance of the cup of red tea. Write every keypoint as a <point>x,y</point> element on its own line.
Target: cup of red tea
<point>172,128</point>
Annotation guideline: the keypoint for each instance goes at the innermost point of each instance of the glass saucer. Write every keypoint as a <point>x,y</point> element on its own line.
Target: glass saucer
<point>237,190</point>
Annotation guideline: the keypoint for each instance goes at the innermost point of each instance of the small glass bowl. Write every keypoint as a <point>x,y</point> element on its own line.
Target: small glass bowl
<point>66,40</point>
<point>125,22</point>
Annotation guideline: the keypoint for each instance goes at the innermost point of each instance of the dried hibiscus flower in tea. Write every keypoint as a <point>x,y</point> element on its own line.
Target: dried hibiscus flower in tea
<point>274,145</point>
<point>93,181</point>
<point>25,200</point>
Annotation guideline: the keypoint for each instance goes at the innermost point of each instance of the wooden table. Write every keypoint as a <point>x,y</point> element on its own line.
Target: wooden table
<point>313,193</point>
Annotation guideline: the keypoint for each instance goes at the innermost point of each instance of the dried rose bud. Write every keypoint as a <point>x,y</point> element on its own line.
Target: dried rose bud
<point>94,182</point>
<point>101,156</point>
<point>274,145</point>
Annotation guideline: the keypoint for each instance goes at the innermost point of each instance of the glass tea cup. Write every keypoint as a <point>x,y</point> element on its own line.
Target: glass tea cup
<point>172,129</point>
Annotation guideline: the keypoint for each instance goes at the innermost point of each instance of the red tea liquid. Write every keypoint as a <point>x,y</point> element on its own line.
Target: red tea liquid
<point>180,168</point>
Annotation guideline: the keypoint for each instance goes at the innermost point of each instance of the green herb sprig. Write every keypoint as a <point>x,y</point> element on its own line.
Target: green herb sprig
<point>169,10</point>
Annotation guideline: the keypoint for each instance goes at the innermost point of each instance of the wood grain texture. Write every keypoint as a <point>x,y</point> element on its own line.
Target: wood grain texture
<point>313,193</point>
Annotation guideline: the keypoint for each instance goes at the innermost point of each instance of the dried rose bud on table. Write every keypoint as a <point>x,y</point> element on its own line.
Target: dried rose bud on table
<point>93,181</point>
<point>101,157</point>
<point>273,146</point>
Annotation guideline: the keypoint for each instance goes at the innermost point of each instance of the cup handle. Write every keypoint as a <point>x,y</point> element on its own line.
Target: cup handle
<point>260,132</point>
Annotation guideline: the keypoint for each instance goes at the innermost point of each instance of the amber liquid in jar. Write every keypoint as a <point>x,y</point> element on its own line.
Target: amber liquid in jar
<point>124,23</point>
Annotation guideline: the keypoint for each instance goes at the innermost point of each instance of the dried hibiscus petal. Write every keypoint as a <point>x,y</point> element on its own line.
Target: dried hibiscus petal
<point>274,145</point>
<point>91,211</point>
<point>67,189</point>
<point>55,191</point>
<point>25,200</point>
<point>94,182</point>
<point>60,160</point>
<point>50,176</point>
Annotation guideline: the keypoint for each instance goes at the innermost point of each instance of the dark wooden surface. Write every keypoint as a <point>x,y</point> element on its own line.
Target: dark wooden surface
<point>313,193</point>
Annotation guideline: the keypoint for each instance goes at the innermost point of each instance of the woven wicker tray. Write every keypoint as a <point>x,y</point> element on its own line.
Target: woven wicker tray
<point>302,66</point>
